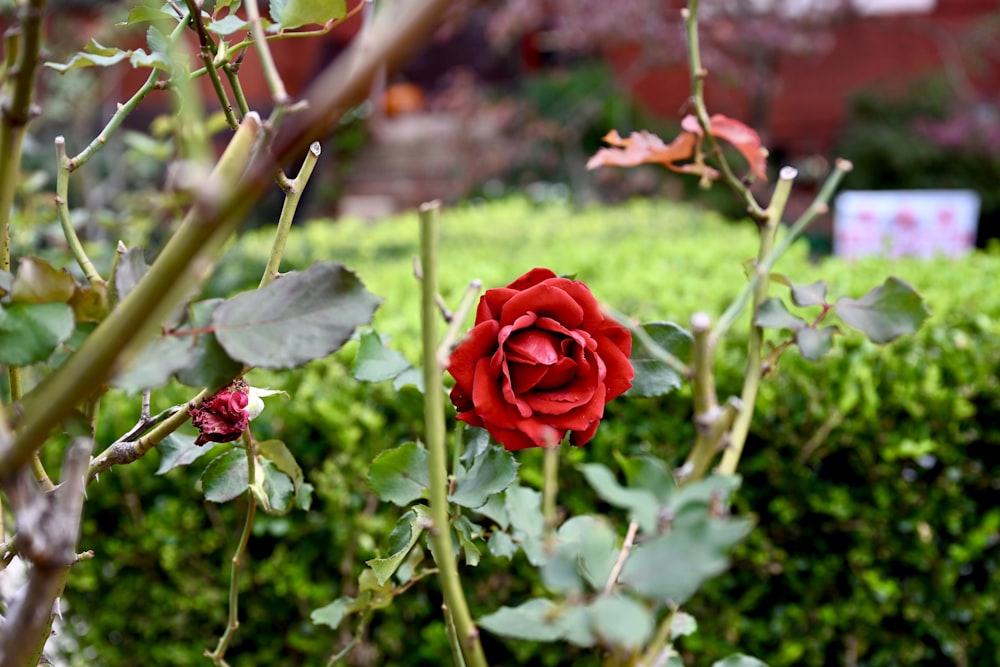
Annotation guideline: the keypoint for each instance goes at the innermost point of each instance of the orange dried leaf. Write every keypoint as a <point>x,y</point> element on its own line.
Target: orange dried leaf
<point>643,148</point>
<point>743,137</point>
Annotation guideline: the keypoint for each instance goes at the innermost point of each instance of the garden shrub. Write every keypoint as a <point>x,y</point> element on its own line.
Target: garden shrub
<point>872,472</point>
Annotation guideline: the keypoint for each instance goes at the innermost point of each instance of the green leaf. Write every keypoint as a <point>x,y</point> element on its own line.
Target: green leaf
<point>400,475</point>
<point>477,441</point>
<point>641,504</point>
<point>410,377</point>
<point>131,268</point>
<point>622,621</point>
<point>467,533</point>
<point>278,453</point>
<point>814,343</point>
<point>144,14</point>
<point>653,377</point>
<point>682,625</point>
<point>401,540</point>
<point>712,490</point>
<point>178,450</point>
<point>29,332</point>
<point>154,365</point>
<point>524,509</point>
<point>90,302</point>
<point>887,312</point>
<point>157,41</point>
<point>649,473</point>
<point>593,543</point>
<point>501,545</point>
<point>739,660</point>
<point>272,488</point>
<point>209,365</point>
<point>491,472</point>
<point>93,55</point>
<point>535,620</point>
<point>37,281</point>
<point>300,317</point>
<point>332,614</point>
<point>375,362</point>
<point>227,25</point>
<point>297,13</point>
<point>226,476</point>
<point>813,294</point>
<point>671,567</point>
<point>495,509</point>
<point>773,314</point>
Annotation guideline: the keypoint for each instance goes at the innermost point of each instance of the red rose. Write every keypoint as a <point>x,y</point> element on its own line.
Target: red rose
<point>221,418</point>
<point>542,360</point>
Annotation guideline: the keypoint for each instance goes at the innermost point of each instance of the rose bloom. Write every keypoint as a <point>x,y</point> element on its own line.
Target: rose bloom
<point>541,361</point>
<point>221,418</point>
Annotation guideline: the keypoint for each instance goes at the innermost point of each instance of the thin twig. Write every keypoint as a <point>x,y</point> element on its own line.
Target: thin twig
<point>616,570</point>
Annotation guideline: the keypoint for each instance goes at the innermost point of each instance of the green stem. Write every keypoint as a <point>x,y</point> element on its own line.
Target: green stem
<point>440,534</point>
<point>293,194</point>
<point>271,75</point>
<point>550,488</point>
<point>15,115</point>
<point>234,83</point>
<point>755,348</point>
<point>206,51</point>
<point>698,74</point>
<point>181,264</point>
<point>706,402</point>
<point>62,208</point>
<point>234,575</point>
<point>123,109</point>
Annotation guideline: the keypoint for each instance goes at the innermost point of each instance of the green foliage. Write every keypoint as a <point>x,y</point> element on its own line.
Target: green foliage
<point>870,471</point>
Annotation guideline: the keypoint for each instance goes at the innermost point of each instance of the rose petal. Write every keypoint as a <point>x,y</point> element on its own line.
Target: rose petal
<point>581,437</point>
<point>531,278</point>
<point>560,373</point>
<point>479,342</point>
<point>579,292</point>
<point>487,396</point>
<point>546,301</point>
<point>525,377</point>
<point>533,346</point>
<point>492,302</point>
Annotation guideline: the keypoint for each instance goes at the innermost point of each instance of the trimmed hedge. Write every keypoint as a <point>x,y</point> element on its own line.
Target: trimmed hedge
<point>873,472</point>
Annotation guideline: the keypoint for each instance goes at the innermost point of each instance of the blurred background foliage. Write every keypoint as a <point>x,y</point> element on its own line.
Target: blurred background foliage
<point>873,473</point>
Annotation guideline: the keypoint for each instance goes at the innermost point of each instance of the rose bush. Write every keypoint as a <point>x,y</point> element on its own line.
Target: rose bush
<point>541,361</point>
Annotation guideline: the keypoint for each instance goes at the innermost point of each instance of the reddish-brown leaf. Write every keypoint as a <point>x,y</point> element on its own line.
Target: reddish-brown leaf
<point>744,138</point>
<point>647,148</point>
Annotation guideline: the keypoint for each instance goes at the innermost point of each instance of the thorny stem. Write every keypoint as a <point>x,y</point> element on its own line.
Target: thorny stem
<point>293,194</point>
<point>271,75</point>
<point>62,208</point>
<point>206,51</point>
<point>457,320</point>
<point>440,534</point>
<point>616,570</point>
<point>698,74</point>
<point>219,653</point>
<point>706,404</point>
<point>650,345</point>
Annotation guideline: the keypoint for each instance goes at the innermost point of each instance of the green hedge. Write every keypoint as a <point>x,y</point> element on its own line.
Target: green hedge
<point>872,473</point>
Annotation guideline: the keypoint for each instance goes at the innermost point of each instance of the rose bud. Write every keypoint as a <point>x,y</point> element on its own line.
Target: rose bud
<point>542,360</point>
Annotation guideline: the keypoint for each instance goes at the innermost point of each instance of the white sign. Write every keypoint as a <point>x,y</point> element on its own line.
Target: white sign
<point>894,223</point>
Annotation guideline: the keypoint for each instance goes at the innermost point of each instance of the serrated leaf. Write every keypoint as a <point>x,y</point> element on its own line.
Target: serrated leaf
<point>671,567</point>
<point>534,620</point>
<point>131,268</point>
<point>299,317</point>
<point>226,476</point>
<point>641,504</point>
<point>157,41</point>
<point>94,55</point>
<point>227,25</point>
<point>814,343</point>
<point>154,59</point>
<point>477,442</point>
<point>772,314</point>
<point>278,453</point>
<point>375,362</point>
<point>410,377</point>
<point>593,543</point>
<point>272,488</point>
<point>297,13</point>
<point>621,621</point>
<point>739,660</point>
<point>491,472</point>
<point>682,624</point>
<point>653,377</point>
<point>501,545</point>
<point>154,365</point>
<point>400,475</point>
<point>178,450</point>
<point>495,509</point>
<point>30,332</point>
<point>209,366</point>
<point>467,533</point>
<point>891,310</point>
<point>813,294</point>
<point>144,14</point>
<point>649,473</point>
<point>406,533</point>
<point>90,302</point>
<point>37,281</point>
<point>332,614</point>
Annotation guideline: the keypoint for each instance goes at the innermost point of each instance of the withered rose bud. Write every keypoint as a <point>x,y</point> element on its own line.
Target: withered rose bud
<point>223,417</point>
